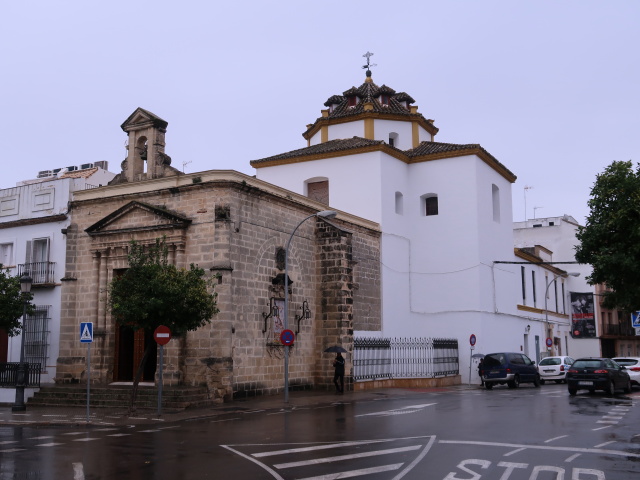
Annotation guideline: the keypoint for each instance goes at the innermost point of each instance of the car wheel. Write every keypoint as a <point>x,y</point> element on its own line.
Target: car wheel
<point>542,381</point>
<point>488,386</point>
<point>515,383</point>
<point>537,381</point>
<point>627,389</point>
<point>611,388</point>
<point>573,391</point>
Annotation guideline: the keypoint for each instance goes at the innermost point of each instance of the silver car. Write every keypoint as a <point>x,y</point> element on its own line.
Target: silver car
<point>633,367</point>
<point>554,368</point>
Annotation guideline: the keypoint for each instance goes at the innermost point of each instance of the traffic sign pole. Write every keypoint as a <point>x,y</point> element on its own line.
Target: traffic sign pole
<point>86,336</point>
<point>472,342</point>
<point>161,335</point>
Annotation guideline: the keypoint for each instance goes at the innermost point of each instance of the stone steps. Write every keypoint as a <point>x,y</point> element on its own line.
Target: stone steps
<point>119,397</point>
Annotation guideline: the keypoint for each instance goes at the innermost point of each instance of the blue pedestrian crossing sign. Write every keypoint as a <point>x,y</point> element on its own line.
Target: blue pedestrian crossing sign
<point>86,332</point>
<point>635,319</point>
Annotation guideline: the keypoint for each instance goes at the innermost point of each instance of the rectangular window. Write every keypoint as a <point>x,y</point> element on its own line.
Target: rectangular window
<point>533,284</point>
<point>6,254</point>
<point>36,340</point>
<point>431,206</point>
<point>564,307</point>
<point>318,191</point>
<point>524,285</point>
<point>555,292</point>
<point>37,261</point>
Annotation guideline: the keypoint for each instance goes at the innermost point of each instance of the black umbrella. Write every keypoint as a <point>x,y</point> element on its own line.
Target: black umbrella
<point>335,349</point>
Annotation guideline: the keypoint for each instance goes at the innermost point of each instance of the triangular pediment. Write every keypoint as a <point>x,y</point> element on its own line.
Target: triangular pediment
<point>143,118</point>
<point>137,217</point>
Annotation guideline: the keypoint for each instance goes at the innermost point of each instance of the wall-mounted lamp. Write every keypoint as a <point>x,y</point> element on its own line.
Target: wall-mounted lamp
<point>305,314</point>
<point>274,311</point>
<point>527,329</point>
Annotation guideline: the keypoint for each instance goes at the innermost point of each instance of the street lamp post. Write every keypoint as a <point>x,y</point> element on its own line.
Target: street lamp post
<point>322,214</point>
<point>546,293</point>
<point>22,373</point>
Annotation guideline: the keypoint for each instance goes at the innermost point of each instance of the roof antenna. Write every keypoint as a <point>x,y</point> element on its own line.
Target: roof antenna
<point>368,66</point>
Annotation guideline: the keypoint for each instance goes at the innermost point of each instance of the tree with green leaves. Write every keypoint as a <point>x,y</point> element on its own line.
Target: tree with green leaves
<point>152,292</point>
<point>610,240</point>
<point>12,303</point>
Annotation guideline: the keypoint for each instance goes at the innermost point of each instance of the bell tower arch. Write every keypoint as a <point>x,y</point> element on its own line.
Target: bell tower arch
<point>145,148</point>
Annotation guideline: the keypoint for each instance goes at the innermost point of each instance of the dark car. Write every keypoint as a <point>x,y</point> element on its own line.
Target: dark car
<point>509,368</point>
<point>597,374</point>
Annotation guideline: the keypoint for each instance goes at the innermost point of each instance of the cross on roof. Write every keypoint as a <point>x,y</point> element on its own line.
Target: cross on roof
<point>368,66</point>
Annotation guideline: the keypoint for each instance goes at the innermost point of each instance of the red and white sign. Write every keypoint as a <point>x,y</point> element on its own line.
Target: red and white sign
<point>472,340</point>
<point>162,335</point>
<point>287,337</point>
<point>549,342</point>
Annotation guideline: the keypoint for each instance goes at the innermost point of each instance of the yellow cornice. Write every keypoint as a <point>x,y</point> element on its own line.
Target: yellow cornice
<point>418,118</point>
<point>479,152</point>
<point>518,252</point>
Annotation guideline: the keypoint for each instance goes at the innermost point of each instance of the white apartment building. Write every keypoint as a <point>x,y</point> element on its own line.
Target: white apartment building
<point>34,216</point>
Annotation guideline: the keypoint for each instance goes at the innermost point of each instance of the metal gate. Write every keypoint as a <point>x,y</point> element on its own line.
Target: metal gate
<point>375,358</point>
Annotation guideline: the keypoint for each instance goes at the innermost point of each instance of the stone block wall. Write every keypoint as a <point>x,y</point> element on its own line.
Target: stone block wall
<point>235,231</point>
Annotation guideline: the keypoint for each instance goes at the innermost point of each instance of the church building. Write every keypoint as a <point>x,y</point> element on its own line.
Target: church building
<point>236,227</point>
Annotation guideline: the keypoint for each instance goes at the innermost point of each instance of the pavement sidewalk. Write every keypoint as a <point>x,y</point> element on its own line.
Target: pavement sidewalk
<point>37,415</point>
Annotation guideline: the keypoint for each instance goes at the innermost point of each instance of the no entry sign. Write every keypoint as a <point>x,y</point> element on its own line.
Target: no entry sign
<point>162,335</point>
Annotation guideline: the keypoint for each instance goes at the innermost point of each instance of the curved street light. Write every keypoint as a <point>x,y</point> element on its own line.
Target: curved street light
<point>322,214</point>
<point>546,292</point>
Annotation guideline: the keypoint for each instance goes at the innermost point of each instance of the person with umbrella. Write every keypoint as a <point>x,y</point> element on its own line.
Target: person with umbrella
<point>338,365</point>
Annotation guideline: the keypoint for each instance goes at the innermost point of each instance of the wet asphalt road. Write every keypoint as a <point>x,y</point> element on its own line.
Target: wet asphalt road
<point>504,434</point>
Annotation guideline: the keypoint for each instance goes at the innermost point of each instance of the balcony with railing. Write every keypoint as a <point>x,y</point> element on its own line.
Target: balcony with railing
<point>619,329</point>
<point>42,273</point>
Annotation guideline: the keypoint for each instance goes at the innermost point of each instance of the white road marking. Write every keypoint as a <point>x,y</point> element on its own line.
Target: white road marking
<point>89,439</point>
<point>119,435</point>
<point>7,442</point>
<point>78,471</point>
<point>12,450</point>
<point>314,448</point>
<point>105,429</point>
<point>612,417</point>
<point>340,458</point>
<point>73,433</point>
<point>49,444</point>
<point>40,438</point>
<point>149,431</point>
<point>542,447</point>
<point>397,411</point>
<point>555,438</point>
<point>572,457</point>
<point>517,450</point>
<point>225,420</point>
<point>600,428</point>
<point>604,444</point>
<point>357,473</point>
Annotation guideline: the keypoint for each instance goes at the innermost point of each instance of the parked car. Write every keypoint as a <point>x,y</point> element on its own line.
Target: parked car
<point>597,374</point>
<point>508,368</point>
<point>554,368</point>
<point>632,364</point>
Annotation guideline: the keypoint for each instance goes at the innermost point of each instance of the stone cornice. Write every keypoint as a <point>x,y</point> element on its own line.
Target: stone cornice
<point>33,221</point>
<point>207,179</point>
<point>526,308</point>
<point>538,261</point>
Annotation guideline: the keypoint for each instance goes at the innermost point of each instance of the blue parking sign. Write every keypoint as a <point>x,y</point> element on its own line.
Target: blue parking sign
<point>635,319</point>
<point>86,332</point>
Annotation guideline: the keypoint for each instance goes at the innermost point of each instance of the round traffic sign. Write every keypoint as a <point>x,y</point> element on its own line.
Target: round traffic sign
<point>472,340</point>
<point>549,342</point>
<point>162,335</point>
<point>287,337</point>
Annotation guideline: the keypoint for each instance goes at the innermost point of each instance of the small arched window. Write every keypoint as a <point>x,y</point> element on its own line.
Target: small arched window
<point>495,198</point>
<point>399,203</point>
<point>429,203</point>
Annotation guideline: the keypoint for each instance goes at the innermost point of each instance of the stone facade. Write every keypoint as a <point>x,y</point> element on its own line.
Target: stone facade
<point>235,227</point>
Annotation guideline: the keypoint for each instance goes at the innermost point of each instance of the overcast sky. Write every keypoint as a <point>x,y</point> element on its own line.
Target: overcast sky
<point>550,88</point>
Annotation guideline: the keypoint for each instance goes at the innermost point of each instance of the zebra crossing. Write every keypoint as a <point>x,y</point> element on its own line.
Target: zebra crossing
<point>327,461</point>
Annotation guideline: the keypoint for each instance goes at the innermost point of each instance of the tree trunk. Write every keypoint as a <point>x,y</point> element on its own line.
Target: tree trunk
<point>136,380</point>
